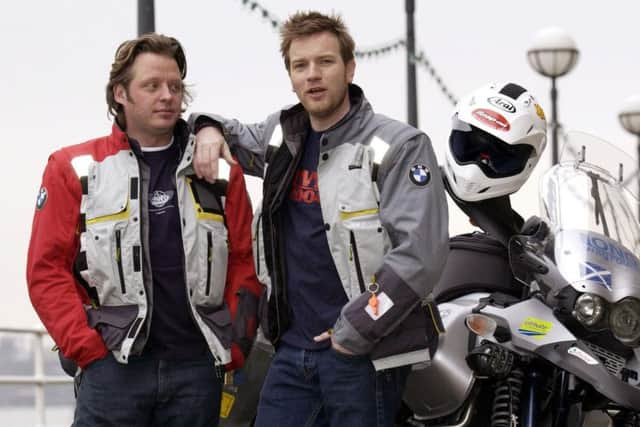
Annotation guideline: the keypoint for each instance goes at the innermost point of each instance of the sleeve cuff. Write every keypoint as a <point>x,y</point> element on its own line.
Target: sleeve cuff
<point>203,122</point>
<point>348,337</point>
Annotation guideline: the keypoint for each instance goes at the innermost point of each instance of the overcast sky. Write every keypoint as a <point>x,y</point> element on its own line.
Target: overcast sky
<point>56,57</point>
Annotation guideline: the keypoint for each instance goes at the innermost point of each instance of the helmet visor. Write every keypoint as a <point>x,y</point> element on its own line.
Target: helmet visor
<point>495,158</point>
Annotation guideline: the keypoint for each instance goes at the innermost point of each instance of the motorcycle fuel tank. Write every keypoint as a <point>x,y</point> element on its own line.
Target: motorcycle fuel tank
<point>443,386</point>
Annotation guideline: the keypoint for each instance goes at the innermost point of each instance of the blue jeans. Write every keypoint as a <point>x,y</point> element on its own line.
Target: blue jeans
<point>148,392</point>
<point>306,388</point>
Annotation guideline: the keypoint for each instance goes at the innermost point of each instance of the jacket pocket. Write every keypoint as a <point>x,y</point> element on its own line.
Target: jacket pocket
<point>214,240</point>
<point>112,322</point>
<point>245,322</point>
<point>105,226</point>
<point>218,320</point>
<point>366,249</point>
<point>257,239</point>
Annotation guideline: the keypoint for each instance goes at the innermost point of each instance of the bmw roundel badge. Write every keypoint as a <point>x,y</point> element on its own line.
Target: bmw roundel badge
<point>420,175</point>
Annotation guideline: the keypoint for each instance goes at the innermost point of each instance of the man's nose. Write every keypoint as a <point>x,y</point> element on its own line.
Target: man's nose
<point>165,91</point>
<point>313,71</point>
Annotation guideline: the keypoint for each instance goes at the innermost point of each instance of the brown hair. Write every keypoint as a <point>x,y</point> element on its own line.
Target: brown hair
<point>303,24</point>
<point>125,56</point>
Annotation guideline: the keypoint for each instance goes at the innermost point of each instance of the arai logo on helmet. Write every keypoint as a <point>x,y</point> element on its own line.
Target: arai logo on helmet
<point>491,118</point>
<point>502,104</point>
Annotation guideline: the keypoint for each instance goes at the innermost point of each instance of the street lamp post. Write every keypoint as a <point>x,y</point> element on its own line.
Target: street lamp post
<point>553,54</point>
<point>629,116</point>
<point>146,17</point>
<point>412,90</point>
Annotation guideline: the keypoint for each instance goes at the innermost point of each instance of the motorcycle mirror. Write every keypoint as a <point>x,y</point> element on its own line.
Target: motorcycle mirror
<point>535,227</point>
<point>481,325</point>
<point>525,264</point>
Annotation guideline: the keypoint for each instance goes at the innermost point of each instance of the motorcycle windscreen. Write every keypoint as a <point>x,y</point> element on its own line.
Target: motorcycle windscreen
<point>592,215</point>
<point>595,263</point>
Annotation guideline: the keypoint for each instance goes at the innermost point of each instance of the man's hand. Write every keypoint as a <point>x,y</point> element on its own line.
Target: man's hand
<point>337,347</point>
<point>210,146</point>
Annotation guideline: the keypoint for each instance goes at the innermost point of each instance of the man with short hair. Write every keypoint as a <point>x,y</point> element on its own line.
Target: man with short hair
<point>353,233</point>
<point>136,267</point>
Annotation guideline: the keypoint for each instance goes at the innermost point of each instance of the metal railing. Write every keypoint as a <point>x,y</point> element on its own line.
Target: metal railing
<point>39,380</point>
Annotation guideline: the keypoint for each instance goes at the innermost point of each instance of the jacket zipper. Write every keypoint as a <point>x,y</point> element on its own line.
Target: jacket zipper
<point>276,274</point>
<point>356,261</point>
<point>209,261</point>
<point>119,261</point>
<point>277,260</point>
<point>258,244</point>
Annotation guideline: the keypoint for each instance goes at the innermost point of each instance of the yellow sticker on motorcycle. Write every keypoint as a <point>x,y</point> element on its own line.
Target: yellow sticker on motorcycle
<point>535,328</point>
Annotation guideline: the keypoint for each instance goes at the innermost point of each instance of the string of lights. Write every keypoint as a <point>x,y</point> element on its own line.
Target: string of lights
<point>419,59</point>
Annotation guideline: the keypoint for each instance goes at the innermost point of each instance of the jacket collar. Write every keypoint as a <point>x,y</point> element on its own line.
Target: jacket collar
<point>180,133</point>
<point>295,121</point>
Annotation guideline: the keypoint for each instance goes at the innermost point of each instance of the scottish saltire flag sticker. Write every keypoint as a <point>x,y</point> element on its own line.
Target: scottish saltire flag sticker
<point>420,175</point>
<point>596,274</point>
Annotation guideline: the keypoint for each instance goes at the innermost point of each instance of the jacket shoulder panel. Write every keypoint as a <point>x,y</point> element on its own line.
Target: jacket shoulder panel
<point>98,148</point>
<point>394,131</point>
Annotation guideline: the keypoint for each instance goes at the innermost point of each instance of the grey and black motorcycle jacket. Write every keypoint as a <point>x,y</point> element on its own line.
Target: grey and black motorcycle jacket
<point>382,201</point>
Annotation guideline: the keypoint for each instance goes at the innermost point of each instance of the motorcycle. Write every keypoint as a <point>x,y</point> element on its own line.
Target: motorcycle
<point>542,318</point>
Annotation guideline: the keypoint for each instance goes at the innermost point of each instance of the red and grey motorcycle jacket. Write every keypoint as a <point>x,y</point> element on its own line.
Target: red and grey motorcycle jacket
<point>88,268</point>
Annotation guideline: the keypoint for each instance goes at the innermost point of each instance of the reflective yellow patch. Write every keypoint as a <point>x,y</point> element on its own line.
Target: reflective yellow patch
<point>536,328</point>
<point>122,215</point>
<point>226,404</point>
<point>349,215</point>
<point>200,213</point>
<point>540,112</point>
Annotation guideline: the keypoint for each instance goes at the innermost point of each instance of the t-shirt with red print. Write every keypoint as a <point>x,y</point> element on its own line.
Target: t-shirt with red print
<point>314,290</point>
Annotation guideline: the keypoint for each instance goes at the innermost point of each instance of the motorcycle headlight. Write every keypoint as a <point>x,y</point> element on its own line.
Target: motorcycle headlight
<point>624,320</point>
<point>589,309</point>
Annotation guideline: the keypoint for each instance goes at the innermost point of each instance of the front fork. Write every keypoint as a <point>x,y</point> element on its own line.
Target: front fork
<point>561,403</point>
<point>531,408</point>
<point>560,411</point>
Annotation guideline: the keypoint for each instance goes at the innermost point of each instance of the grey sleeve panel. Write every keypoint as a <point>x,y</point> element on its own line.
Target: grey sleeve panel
<point>416,220</point>
<point>415,216</point>
<point>247,142</point>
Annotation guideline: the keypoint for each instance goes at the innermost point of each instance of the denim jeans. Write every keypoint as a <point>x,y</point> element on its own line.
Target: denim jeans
<point>306,388</point>
<point>148,392</point>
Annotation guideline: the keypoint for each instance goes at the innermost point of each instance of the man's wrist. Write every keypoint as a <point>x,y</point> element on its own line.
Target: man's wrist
<point>205,122</point>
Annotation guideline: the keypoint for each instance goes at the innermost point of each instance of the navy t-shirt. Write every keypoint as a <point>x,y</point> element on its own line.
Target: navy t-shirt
<point>314,289</point>
<point>174,334</point>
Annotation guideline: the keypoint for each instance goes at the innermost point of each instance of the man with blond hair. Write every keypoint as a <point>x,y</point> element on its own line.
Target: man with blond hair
<point>136,267</point>
<point>353,233</point>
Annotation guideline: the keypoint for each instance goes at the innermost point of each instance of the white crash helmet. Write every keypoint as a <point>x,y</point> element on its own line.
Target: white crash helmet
<point>498,135</point>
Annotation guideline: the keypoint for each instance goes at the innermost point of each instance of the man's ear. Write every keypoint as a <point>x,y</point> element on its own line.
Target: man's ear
<point>351,70</point>
<point>119,94</point>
